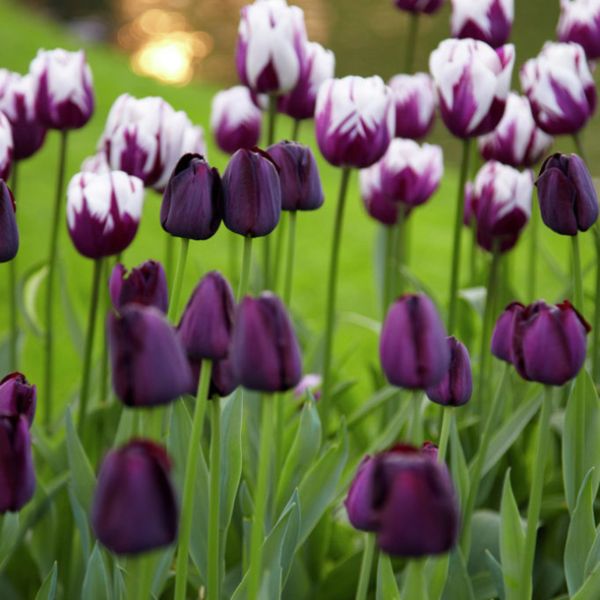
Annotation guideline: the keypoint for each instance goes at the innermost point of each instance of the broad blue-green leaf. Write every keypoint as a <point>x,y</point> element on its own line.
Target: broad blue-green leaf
<point>161,570</point>
<point>81,520</point>
<point>495,569</point>
<point>415,585</point>
<point>512,540</point>
<point>590,590</point>
<point>83,480</point>
<point>119,587</point>
<point>458,465</point>
<point>96,583</point>
<point>593,557</point>
<point>47,590</point>
<point>387,587</point>
<point>458,583</point>
<point>29,289</point>
<point>436,572</point>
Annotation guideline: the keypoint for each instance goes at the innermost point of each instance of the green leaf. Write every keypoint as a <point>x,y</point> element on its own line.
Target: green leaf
<point>415,585</point>
<point>593,557</point>
<point>590,590</point>
<point>29,289</point>
<point>8,535</point>
<point>458,584</point>
<point>96,583</point>
<point>495,569</point>
<point>83,480</point>
<point>47,590</point>
<point>436,573</point>
<point>387,587</point>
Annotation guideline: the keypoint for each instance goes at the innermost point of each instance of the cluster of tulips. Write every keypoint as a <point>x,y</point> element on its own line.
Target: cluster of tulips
<point>229,352</point>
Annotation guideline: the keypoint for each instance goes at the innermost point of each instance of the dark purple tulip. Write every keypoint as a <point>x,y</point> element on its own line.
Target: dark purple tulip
<point>192,205</point>
<point>146,284</point>
<point>149,366</point>
<point>135,508</point>
<point>413,349</point>
<point>206,324</point>
<point>299,176</point>
<point>580,22</point>
<point>264,351</point>
<point>568,199</point>
<point>223,380</point>
<point>504,331</point>
<point>9,234</point>
<point>457,385</point>
<point>487,20</point>
<point>419,6</point>
<point>17,397</point>
<point>252,193</point>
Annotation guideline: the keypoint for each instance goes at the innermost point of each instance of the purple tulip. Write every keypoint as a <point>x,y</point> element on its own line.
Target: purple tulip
<point>264,351</point>
<point>223,379</point>
<point>64,96</point>
<point>415,102</point>
<point>473,81</point>
<point>354,120</point>
<point>487,20</point>
<point>9,234</point>
<point>135,508</point>
<point>17,397</point>
<point>560,88</point>
<point>252,193</point>
<point>580,23</point>
<point>457,385</point>
<point>146,284</point>
<point>378,205</point>
<point>6,148</point>
<point>298,175</point>
<point>419,6</point>
<point>103,212</point>
<point>413,349</point>
<point>504,332</point>
<point>149,366</point>
<point>235,120</point>
<point>568,199</point>
<point>517,141</point>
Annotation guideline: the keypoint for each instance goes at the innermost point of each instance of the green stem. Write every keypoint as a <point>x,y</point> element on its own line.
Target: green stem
<point>89,345</point>
<point>579,146</point>
<point>447,418</point>
<point>577,278</point>
<point>291,253</point>
<point>411,43</point>
<point>458,227</point>
<point>266,242</point>
<point>331,298</point>
<point>169,258</point>
<point>214,522</point>
<point>260,502</point>
<point>246,262</point>
<point>533,253</point>
<point>400,252</point>
<point>232,250</point>
<point>474,250</point>
<point>272,119</point>
<point>280,235</point>
<point>416,435</point>
<point>12,287</point>
<point>139,578</point>
<point>49,305</point>
<point>596,323</point>
<point>106,307</point>
<point>366,567</point>
<point>296,129</point>
<point>386,293</point>
<point>191,465</point>
<point>175,298</point>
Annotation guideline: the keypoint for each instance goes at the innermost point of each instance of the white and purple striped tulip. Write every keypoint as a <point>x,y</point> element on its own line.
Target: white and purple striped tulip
<point>473,82</point>
<point>6,147</point>
<point>377,204</point>
<point>415,101</point>
<point>103,212</point>
<point>560,88</point>
<point>271,39</point>
<point>235,120</point>
<point>580,22</point>
<point>354,120</point>
<point>517,141</point>
<point>64,96</point>
<point>96,163</point>
<point>487,20</point>
<point>419,6</point>
<point>317,66</point>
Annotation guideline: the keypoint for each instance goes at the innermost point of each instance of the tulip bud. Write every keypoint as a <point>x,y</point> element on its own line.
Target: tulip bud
<point>135,508</point>
<point>473,81</point>
<point>419,6</point>
<point>264,351</point>
<point>17,397</point>
<point>103,212</point>
<point>64,97</point>
<point>580,23</point>
<point>9,234</point>
<point>378,205</point>
<point>457,385</point>
<point>354,120</point>
<point>146,284</point>
<point>252,193</point>
<point>568,199</point>
<point>298,175</point>
<point>223,380</point>
<point>6,148</point>
<point>415,102</point>
<point>413,349</point>
<point>560,88</point>
<point>235,119</point>
<point>193,201</point>
<point>487,20</point>
<point>310,383</point>
<point>504,331</point>
<point>149,366</point>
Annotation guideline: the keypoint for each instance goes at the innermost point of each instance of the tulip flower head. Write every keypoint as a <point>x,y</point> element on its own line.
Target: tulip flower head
<point>487,20</point>
<point>6,147</point>
<point>504,332</point>
<point>419,6</point>
<point>9,234</point>
<point>17,397</point>
<point>415,102</point>
<point>377,204</point>
<point>457,385</point>
<point>580,23</point>
<point>146,285</point>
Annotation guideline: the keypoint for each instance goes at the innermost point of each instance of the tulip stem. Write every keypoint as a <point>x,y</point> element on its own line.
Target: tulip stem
<point>533,253</point>
<point>12,287</point>
<point>399,257</point>
<point>169,251</point>
<point>296,129</point>
<point>416,436</point>
<point>473,256</point>
<point>458,226</point>
<point>49,306</point>
<point>177,283</point>
<point>386,291</point>
<point>366,567</point>
<point>260,500</point>
<point>596,324</point>
<point>535,495</point>
<point>577,278</point>
<point>579,147</point>
<point>246,262</point>
<point>214,524</point>
<point>411,42</point>
<point>89,345</point>
<point>289,267</point>
<point>191,466</point>
<point>279,243</point>
<point>106,307</point>
<point>331,297</point>
<point>447,418</point>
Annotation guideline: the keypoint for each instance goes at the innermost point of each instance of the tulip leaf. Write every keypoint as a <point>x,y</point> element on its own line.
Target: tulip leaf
<point>458,583</point>
<point>8,535</point>
<point>29,290</point>
<point>83,480</point>
<point>47,590</point>
<point>495,569</point>
<point>590,590</point>
<point>415,584</point>
<point>96,583</point>
<point>436,572</point>
<point>593,557</point>
<point>119,587</point>
<point>387,586</point>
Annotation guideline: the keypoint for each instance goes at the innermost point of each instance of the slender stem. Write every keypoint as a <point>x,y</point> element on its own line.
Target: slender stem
<point>411,43</point>
<point>291,253</point>
<point>400,252</point>
<point>12,287</point>
<point>533,253</point>
<point>89,345</point>
<point>458,227</point>
<point>246,262</point>
<point>366,567</point>
<point>331,298</point>
<point>416,427</point>
<point>49,306</point>
<point>214,554</point>
<point>280,235</point>
<point>169,258</point>
<point>260,502</point>
<point>139,577</point>
<point>535,495</point>
<point>596,324</point>
<point>272,119</point>
<point>577,278</point>
<point>266,243</point>
<point>175,298</point>
<point>296,129</point>
<point>474,250</point>
<point>232,250</point>
<point>187,507</point>
<point>579,146</point>
<point>386,294</point>
<point>106,306</point>
<point>447,418</point>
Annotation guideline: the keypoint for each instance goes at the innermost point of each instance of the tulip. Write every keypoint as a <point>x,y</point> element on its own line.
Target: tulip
<point>264,349</point>
<point>517,140</point>
<point>299,176</point>
<point>415,102</point>
<point>504,332</point>
<point>6,148</point>
<point>62,80</point>
<point>135,508</point>
<point>560,88</point>
<point>146,284</point>
<point>419,6</point>
<point>252,193</point>
<point>235,119</point>
<point>377,204</point>
<point>9,234</point>
<point>413,349</point>
<point>354,120</point>
<point>149,365</point>
<point>580,23</point>
<point>17,397</point>
<point>103,212</point>
<point>457,385</point>
<point>487,20</point>
<point>568,199</point>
